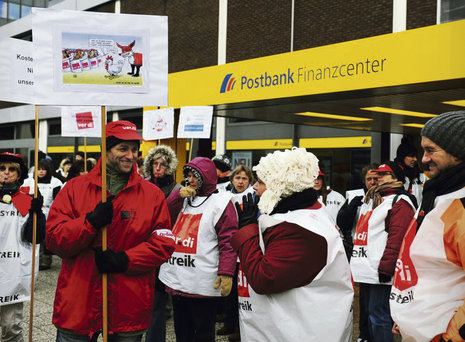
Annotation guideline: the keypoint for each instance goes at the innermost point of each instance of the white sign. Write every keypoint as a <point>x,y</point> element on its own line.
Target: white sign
<point>195,122</point>
<point>16,70</point>
<point>242,158</point>
<point>81,121</point>
<point>158,124</point>
<point>94,58</point>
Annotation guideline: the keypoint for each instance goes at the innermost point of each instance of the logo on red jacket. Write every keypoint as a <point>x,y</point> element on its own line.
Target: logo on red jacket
<point>361,232</point>
<point>405,275</point>
<point>84,120</point>
<point>242,284</point>
<point>186,231</point>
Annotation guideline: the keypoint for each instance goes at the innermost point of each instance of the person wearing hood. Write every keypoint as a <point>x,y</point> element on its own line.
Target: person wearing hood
<point>428,292</point>
<point>332,199</point>
<point>139,239</point>
<point>406,158</point>
<point>17,209</point>
<point>293,264</point>
<point>385,215</point>
<point>159,165</point>
<point>202,267</point>
<point>223,169</point>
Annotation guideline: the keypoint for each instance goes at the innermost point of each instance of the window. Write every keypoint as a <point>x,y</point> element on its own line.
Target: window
<point>13,11</point>
<point>54,127</point>
<point>3,9</point>
<point>452,10</point>
<point>7,132</point>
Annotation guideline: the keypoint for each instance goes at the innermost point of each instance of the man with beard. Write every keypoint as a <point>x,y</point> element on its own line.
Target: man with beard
<point>428,292</point>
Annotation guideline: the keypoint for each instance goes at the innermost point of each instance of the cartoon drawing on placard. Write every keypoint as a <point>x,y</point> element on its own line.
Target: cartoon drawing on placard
<point>102,59</point>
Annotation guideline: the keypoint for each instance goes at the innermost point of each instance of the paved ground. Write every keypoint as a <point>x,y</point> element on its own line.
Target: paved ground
<point>44,331</point>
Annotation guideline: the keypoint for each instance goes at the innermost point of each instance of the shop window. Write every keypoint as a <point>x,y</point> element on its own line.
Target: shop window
<point>452,10</point>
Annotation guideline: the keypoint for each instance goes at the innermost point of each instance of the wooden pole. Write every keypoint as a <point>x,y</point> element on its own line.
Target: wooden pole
<point>34,223</point>
<point>191,147</point>
<point>104,229</point>
<point>85,154</point>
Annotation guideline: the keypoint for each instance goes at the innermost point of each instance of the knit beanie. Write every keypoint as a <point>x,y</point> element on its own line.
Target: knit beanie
<point>405,149</point>
<point>222,162</point>
<point>284,173</point>
<point>448,131</point>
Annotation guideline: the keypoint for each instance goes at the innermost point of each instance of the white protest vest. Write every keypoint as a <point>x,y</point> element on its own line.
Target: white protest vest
<point>370,240</point>
<point>46,190</point>
<point>319,311</point>
<point>417,186</point>
<point>428,288</point>
<point>193,267</point>
<point>15,257</point>
<point>334,202</point>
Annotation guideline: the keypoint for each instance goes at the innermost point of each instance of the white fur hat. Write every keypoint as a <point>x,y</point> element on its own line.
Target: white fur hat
<point>284,173</point>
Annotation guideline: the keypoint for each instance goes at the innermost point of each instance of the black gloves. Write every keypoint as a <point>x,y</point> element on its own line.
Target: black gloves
<point>248,213</point>
<point>36,207</point>
<point>102,214</point>
<point>356,202</point>
<point>110,261</point>
<point>384,278</point>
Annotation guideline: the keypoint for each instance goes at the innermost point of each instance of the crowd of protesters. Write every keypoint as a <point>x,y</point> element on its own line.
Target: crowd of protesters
<point>273,249</point>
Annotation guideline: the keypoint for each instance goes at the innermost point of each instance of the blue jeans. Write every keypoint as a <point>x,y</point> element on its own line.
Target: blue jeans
<point>157,329</point>
<point>379,314</point>
<point>71,337</point>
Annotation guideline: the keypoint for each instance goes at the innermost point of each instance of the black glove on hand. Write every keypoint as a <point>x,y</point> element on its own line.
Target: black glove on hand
<point>384,278</point>
<point>102,214</point>
<point>356,201</point>
<point>110,261</point>
<point>248,213</point>
<point>36,205</point>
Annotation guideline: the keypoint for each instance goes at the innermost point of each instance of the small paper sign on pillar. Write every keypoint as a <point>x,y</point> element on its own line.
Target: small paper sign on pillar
<point>158,124</point>
<point>195,122</point>
<point>80,121</point>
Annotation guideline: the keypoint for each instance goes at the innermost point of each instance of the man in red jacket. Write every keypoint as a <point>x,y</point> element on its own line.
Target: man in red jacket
<point>139,240</point>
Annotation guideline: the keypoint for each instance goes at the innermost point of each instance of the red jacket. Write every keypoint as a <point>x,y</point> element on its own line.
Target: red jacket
<point>294,256</point>
<point>139,212</point>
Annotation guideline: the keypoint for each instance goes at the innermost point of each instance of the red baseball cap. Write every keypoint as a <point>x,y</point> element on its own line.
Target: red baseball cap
<point>123,130</point>
<point>383,168</point>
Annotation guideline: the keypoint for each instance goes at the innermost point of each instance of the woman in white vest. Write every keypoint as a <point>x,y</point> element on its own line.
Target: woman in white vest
<point>16,220</point>
<point>332,199</point>
<point>202,267</point>
<point>48,186</point>
<point>299,284</point>
<point>241,179</point>
<point>384,218</point>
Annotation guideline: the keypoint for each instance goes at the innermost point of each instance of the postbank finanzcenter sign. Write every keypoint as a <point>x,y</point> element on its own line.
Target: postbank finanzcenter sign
<point>433,53</point>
